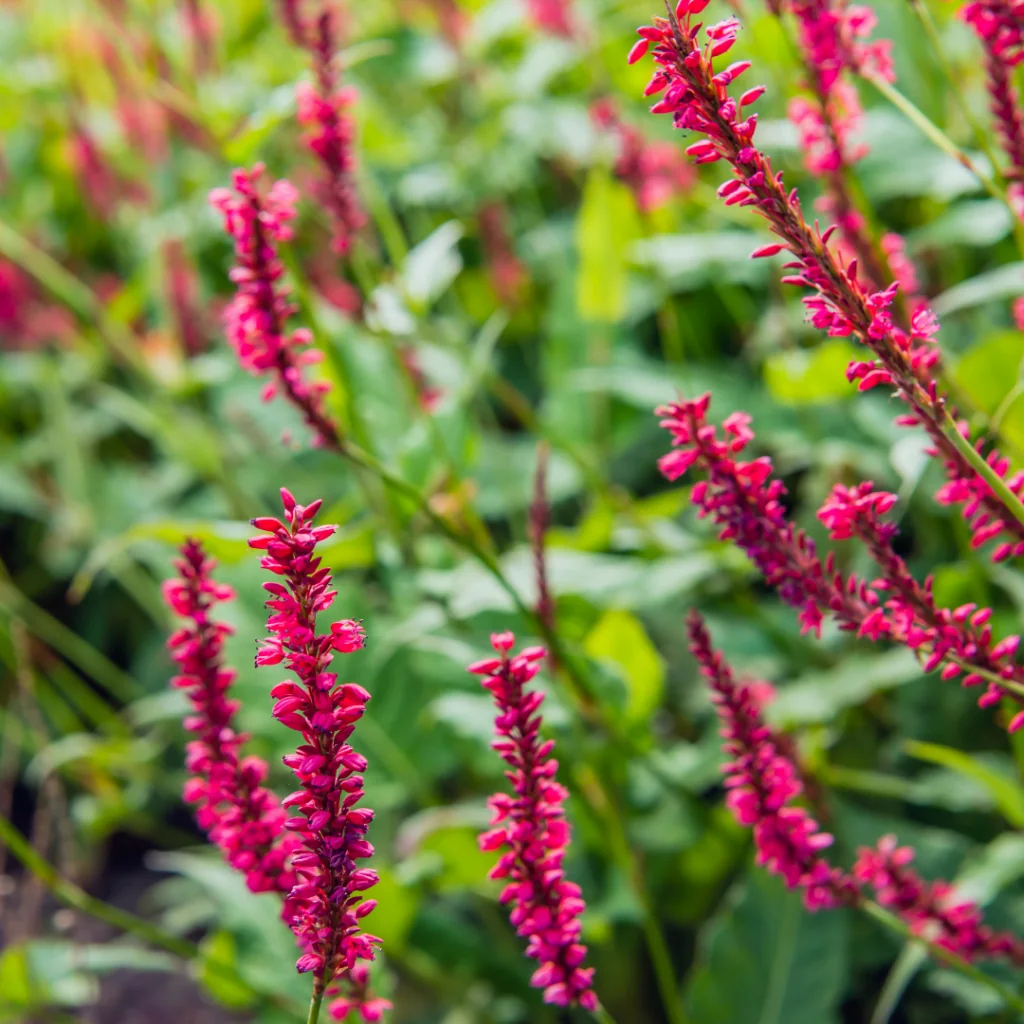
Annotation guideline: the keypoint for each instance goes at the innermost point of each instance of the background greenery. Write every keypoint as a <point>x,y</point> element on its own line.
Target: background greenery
<point>115,444</point>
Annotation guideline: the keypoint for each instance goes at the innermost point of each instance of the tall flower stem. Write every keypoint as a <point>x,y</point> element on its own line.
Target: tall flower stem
<point>981,137</point>
<point>984,470</point>
<point>596,794</point>
<point>315,1003</point>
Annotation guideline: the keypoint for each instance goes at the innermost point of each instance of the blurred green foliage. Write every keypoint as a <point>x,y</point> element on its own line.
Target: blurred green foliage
<point>116,442</point>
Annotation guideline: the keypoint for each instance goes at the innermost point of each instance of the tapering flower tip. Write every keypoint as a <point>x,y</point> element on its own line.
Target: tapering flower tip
<point>256,319</point>
<point>244,820</point>
<point>696,94</point>
<point>531,830</point>
<point>324,109</point>
<point>763,784</point>
<point>326,906</point>
<point>931,909</point>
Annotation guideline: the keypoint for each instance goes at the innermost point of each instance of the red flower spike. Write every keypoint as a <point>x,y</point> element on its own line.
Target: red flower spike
<point>764,784</point>
<point>745,500</point>
<point>531,828</point>
<point>325,907</point>
<point>323,108</point>
<point>240,817</point>
<point>931,909</point>
<point>256,318</point>
<point>839,304</point>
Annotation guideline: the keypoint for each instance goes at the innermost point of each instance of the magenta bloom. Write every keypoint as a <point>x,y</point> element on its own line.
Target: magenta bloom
<point>323,109</point>
<point>764,784</point>
<point>531,829</point>
<point>552,16</point>
<point>655,171</point>
<point>931,908</point>
<point>697,96</point>
<point>745,500</point>
<point>256,318</point>
<point>1000,27</point>
<point>240,816</point>
<point>326,905</point>
<point>960,640</point>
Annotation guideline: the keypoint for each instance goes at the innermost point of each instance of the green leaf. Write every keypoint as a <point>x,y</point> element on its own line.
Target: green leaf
<point>432,265</point>
<point>277,107</point>
<point>765,960</point>
<point>1004,282</point>
<point>810,376</point>
<point>392,919</point>
<point>990,367</point>
<point>607,224</point>
<point>1004,787</point>
<point>464,864</point>
<point>16,988</point>
<point>690,261</point>
<point>819,696</point>
<point>619,639</point>
<point>977,222</point>
<point>219,952</point>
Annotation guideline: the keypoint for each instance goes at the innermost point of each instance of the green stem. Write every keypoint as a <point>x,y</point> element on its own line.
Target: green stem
<point>895,924</point>
<point>581,687</point>
<point>998,485</point>
<point>995,187</point>
<point>596,795</point>
<point>981,137</point>
<point>602,1016</point>
<point>314,1005</point>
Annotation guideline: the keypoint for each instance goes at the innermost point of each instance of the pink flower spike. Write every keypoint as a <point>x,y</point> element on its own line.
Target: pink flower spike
<point>763,785</point>
<point>326,906</point>
<point>240,817</point>
<point>531,827</point>
<point>255,319</point>
<point>324,110</point>
<point>843,300</point>
<point>931,908</point>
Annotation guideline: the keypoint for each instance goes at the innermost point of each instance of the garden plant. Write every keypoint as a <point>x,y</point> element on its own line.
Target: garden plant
<point>478,550</point>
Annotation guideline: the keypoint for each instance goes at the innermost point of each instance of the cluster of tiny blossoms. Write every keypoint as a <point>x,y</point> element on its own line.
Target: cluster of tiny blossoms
<point>999,25</point>
<point>655,171</point>
<point>932,909</point>
<point>256,318</point>
<point>241,817</point>
<point>745,500</point>
<point>326,905</point>
<point>697,96</point>
<point>834,41</point>
<point>764,785</point>
<point>324,109</point>
<point>531,829</point>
